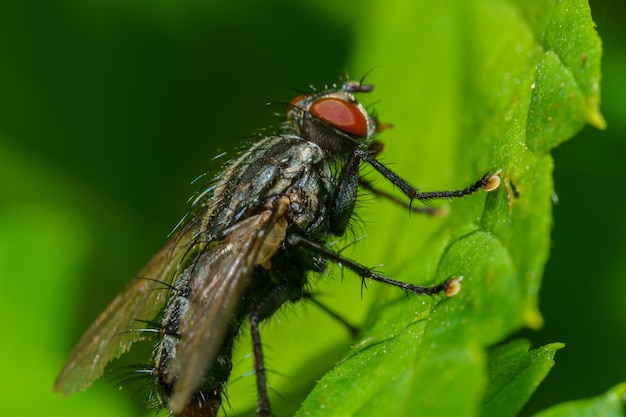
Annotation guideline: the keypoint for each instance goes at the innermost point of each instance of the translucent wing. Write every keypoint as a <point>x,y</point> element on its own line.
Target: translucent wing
<point>112,333</point>
<point>217,283</point>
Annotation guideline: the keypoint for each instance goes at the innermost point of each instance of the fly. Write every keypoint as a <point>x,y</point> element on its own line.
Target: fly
<point>245,249</point>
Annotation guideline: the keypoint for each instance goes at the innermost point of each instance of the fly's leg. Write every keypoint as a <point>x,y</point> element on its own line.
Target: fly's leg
<point>374,150</point>
<point>342,205</point>
<point>488,182</point>
<point>449,287</point>
<point>263,402</point>
<point>263,309</point>
<point>288,290</point>
<point>350,327</point>
<point>428,210</point>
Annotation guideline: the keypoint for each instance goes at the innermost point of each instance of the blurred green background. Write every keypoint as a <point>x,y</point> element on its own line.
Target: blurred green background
<point>108,109</point>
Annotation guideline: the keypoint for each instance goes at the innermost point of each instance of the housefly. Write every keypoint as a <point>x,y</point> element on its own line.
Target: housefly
<point>244,250</point>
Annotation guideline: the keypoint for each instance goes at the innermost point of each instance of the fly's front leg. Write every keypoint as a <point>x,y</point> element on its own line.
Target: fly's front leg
<point>488,182</point>
<point>428,210</point>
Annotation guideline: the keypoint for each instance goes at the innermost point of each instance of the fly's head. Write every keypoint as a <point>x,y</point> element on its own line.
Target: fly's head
<point>333,118</point>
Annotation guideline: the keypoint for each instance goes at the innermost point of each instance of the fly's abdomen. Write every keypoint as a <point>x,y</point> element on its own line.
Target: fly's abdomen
<point>207,399</point>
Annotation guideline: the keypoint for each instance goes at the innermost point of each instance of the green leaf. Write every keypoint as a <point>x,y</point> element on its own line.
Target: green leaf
<point>610,404</point>
<point>514,374</point>
<point>470,86</point>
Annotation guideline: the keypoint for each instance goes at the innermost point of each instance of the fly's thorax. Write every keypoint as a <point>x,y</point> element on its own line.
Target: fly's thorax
<point>309,198</point>
<point>275,166</point>
<point>333,119</point>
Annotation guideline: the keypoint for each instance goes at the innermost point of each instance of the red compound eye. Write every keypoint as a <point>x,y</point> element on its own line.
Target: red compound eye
<point>340,114</point>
